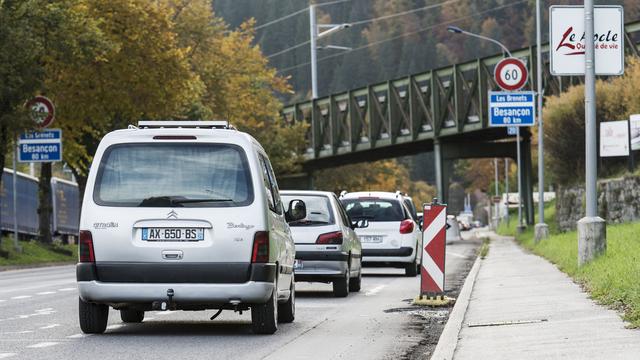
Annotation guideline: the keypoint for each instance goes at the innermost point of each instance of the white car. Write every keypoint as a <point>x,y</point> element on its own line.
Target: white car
<point>393,237</point>
<point>327,248</point>
<point>184,216</point>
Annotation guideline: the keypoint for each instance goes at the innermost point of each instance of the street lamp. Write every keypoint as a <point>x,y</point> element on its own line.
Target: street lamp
<point>457,30</point>
<point>315,34</point>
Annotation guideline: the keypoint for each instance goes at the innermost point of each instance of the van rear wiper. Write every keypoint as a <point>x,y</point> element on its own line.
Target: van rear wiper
<point>161,201</point>
<point>193,201</point>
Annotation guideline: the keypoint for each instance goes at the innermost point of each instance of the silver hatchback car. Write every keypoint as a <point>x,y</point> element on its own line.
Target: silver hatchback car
<point>327,248</point>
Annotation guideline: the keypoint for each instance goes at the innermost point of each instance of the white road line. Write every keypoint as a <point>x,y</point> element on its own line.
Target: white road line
<point>168,312</point>
<point>455,255</point>
<point>17,332</point>
<point>149,318</point>
<point>7,355</point>
<point>49,326</point>
<point>67,289</point>
<point>44,310</point>
<point>20,297</point>
<point>375,290</point>
<point>2,301</point>
<point>46,293</point>
<point>114,326</point>
<point>43,344</point>
<point>77,336</point>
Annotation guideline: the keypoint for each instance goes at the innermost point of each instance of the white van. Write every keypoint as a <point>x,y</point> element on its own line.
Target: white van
<point>184,216</point>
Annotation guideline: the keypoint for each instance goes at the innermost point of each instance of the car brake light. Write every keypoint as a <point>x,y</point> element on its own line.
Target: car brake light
<point>406,226</point>
<point>260,247</point>
<point>332,238</point>
<point>85,247</point>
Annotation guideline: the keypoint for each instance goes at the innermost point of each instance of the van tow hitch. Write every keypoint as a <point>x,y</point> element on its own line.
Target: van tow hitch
<point>170,304</point>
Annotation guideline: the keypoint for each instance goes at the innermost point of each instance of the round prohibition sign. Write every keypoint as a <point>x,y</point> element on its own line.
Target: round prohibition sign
<point>511,74</point>
<point>42,111</point>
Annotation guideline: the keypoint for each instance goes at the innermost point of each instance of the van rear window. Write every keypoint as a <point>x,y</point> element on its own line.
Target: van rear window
<point>173,175</point>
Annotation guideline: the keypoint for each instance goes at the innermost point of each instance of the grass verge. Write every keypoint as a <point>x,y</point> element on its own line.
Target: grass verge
<point>611,279</point>
<point>484,249</point>
<point>34,252</point>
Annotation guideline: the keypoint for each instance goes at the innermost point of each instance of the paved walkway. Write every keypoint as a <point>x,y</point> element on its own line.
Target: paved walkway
<point>523,307</point>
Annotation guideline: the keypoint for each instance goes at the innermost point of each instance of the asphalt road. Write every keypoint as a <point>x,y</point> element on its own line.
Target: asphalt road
<point>38,320</point>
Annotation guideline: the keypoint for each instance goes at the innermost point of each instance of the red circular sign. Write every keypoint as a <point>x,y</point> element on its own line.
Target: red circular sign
<point>511,74</point>
<point>42,111</point>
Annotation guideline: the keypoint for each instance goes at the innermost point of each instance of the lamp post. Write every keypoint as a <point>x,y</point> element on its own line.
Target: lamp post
<point>315,34</point>
<point>505,50</point>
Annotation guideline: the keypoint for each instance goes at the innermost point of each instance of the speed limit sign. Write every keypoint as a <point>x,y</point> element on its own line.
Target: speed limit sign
<point>511,74</point>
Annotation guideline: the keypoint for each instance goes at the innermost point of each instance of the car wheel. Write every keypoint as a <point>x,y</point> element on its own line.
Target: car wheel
<point>410,269</point>
<point>131,315</point>
<point>287,311</point>
<point>93,317</point>
<point>341,286</point>
<point>356,283</point>
<point>264,317</point>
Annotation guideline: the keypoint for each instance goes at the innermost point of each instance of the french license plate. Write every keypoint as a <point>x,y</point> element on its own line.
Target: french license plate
<point>172,234</point>
<point>371,238</point>
<point>298,265</point>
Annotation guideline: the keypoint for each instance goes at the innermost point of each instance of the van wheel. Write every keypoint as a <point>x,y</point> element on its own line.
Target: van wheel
<point>131,315</point>
<point>410,270</point>
<point>287,311</point>
<point>93,317</point>
<point>264,316</point>
<point>341,286</point>
<point>356,283</point>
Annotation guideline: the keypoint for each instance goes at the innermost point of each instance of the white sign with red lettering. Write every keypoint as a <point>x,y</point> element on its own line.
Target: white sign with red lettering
<point>567,40</point>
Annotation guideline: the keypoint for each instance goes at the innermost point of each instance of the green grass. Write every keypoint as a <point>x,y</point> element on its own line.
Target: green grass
<point>612,279</point>
<point>34,252</point>
<point>484,249</point>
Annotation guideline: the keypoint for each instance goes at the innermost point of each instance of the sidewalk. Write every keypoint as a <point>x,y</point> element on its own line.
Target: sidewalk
<point>523,307</point>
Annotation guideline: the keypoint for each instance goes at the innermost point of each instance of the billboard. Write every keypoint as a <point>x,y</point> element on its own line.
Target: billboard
<point>635,131</point>
<point>567,40</point>
<point>614,138</point>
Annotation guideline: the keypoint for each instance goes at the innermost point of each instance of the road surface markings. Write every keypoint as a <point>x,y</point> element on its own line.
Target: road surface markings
<point>2,301</point>
<point>43,344</point>
<point>46,293</point>
<point>49,326</point>
<point>17,332</point>
<point>456,255</point>
<point>149,319</point>
<point>67,289</point>
<point>114,326</point>
<point>77,336</point>
<point>20,297</point>
<point>44,310</point>
<point>7,355</point>
<point>168,312</point>
<point>375,290</point>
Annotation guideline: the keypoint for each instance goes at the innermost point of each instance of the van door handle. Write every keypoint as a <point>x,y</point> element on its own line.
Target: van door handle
<point>172,254</point>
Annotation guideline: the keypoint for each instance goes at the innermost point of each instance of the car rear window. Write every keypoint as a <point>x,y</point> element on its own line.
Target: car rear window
<point>373,209</point>
<point>318,209</point>
<point>173,175</point>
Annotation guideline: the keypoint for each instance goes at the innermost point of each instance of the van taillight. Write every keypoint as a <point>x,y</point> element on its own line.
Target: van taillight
<point>332,238</point>
<point>260,247</point>
<point>85,248</point>
<point>406,226</point>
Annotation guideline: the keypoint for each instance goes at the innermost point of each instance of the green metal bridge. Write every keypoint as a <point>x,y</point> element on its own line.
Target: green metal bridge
<point>442,110</point>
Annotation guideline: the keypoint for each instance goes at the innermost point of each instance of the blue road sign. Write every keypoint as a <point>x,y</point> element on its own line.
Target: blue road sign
<point>40,146</point>
<point>512,131</point>
<point>511,108</point>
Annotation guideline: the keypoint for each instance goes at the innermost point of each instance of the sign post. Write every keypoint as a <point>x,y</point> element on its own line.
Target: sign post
<point>588,40</point>
<point>434,243</point>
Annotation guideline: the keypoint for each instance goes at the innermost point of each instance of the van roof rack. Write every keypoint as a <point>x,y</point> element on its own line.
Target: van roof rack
<point>218,124</point>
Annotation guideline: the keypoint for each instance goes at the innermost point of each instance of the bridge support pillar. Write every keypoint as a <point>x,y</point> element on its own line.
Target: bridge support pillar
<point>442,171</point>
<point>527,179</point>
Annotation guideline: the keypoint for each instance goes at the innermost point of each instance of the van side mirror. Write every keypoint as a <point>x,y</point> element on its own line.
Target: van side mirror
<point>297,210</point>
<point>360,224</point>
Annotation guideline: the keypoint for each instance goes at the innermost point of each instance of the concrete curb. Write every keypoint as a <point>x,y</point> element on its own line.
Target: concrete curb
<point>449,337</point>
<point>35,266</point>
